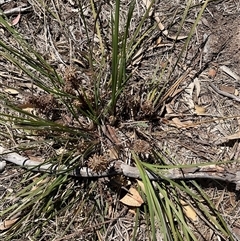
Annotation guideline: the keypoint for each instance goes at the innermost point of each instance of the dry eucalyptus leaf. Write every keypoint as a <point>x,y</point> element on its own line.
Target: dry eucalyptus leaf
<point>236,231</point>
<point>199,110</point>
<point>212,73</point>
<point>169,109</point>
<point>132,198</point>
<point>113,153</point>
<point>16,20</point>
<point>11,91</point>
<point>189,211</point>
<point>7,224</point>
<point>179,124</point>
<point>36,159</point>
<point>228,89</point>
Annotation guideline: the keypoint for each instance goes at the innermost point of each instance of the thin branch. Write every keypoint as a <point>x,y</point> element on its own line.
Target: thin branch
<point>118,167</point>
<point>16,10</point>
<point>4,1</point>
<point>223,93</point>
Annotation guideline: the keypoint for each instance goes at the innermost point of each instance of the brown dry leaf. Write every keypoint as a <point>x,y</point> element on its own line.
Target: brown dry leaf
<point>189,211</point>
<point>7,224</point>
<point>36,159</point>
<point>169,109</point>
<point>11,91</point>
<point>16,20</point>
<point>176,122</point>
<point>132,198</point>
<point>113,135</point>
<point>113,153</point>
<point>228,89</point>
<point>199,110</point>
<point>236,231</point>
<point>212,73</point>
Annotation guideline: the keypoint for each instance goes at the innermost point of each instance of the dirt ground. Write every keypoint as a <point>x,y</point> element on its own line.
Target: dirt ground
<point>198,122</point>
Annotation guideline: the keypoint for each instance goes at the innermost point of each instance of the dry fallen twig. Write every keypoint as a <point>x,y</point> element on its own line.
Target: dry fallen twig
<point>4,1</point>
<point>15,10</point>
<point>118,167</point>
<point>220,92</point>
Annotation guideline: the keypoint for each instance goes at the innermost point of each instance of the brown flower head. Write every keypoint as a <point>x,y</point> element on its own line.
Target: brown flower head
<point>98,163</point>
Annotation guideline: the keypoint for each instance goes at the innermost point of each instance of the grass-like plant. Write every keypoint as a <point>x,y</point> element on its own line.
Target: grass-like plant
<point>88,108</point>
